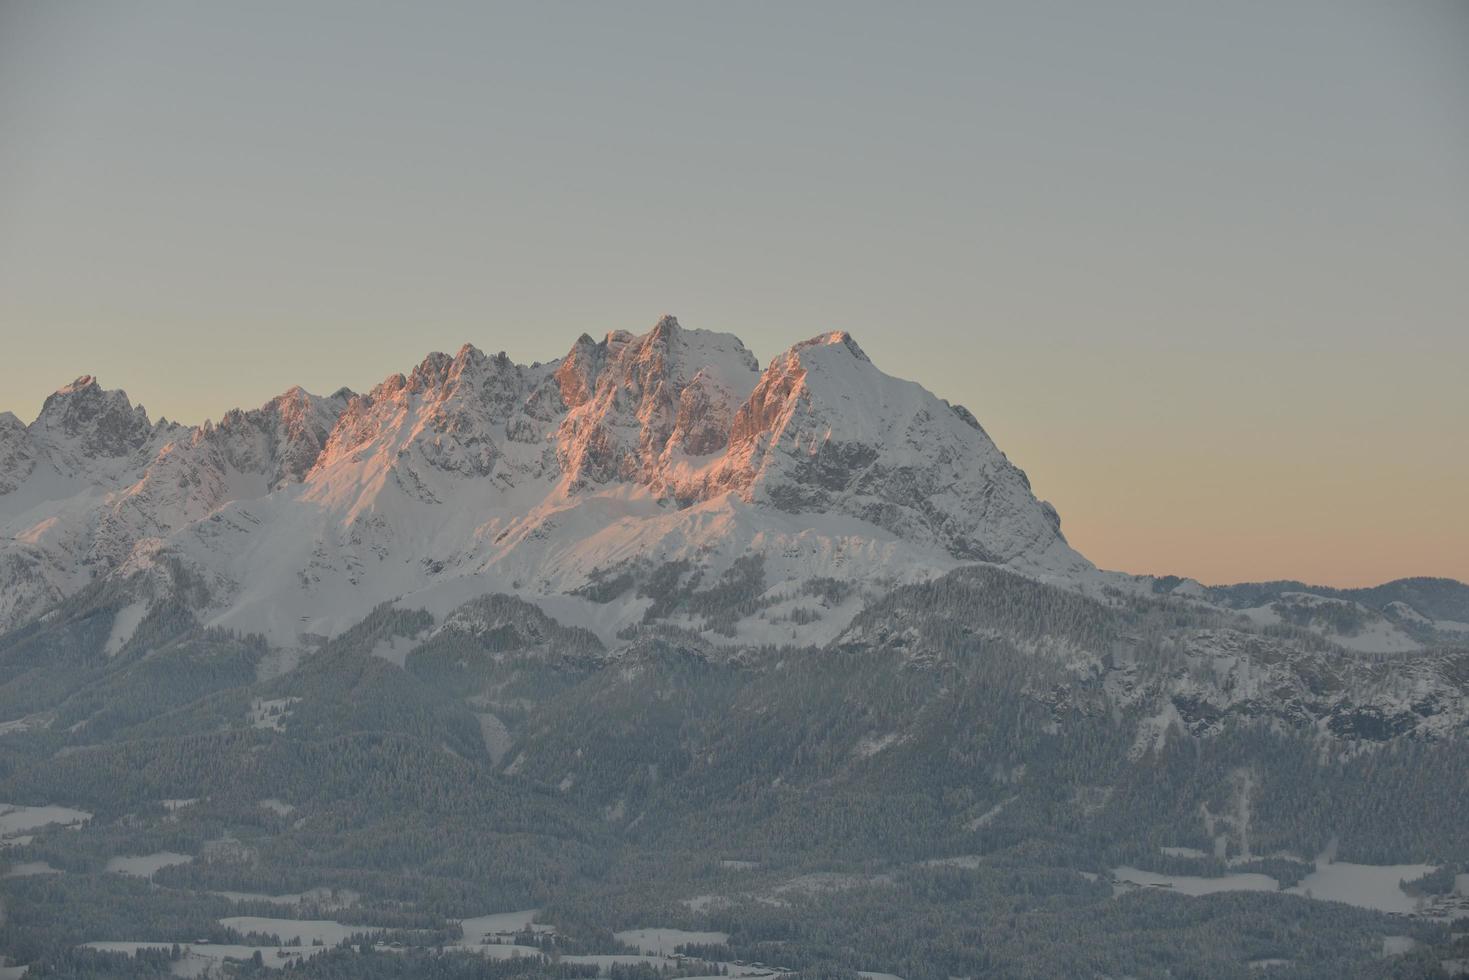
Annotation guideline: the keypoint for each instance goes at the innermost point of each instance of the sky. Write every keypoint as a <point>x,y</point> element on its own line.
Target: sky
<point>1202,270</point>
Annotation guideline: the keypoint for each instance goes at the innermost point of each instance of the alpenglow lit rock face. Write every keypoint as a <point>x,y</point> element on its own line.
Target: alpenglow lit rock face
<point>826,431</point>
<point>473,474</point>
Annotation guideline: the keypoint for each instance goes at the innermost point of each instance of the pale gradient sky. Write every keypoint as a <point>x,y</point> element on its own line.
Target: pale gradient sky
<point>1202,270</point>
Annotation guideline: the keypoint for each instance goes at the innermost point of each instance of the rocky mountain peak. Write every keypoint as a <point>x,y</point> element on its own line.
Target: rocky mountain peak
<point>83,421</point>
<point>826,431</point>
<point>449,413</point>
<point>296,425</point>
<point>836,338</point>
<point>622,428</point>
<point>577,375</point>
<point>82,383</point>
<point>665,329</point>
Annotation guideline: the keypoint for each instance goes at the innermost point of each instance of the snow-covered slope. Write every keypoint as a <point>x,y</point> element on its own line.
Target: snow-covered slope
<point>94,489</point>
<point>1395,617</point>
<point>1348,624</point>
<point>473,475</point>
<point>826,431</point>
<point>1216,672</point>
<point>59,474</point>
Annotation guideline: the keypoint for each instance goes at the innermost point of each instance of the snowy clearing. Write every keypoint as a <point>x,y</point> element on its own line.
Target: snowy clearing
<point>968,862</point>
<point>1128,878</point>
<point>1366,886</point>
<point>16,820</point>
<point>663,941</point>
<point>324,898</point>
<point>481,927</point>
<point>205,959</point>
<point>145,865</point>
<point>1397,945</point>
<point>124,625</point>
<point>497,737</point>
<point>829,881</point>
<point>301,932</point>
<point>988,816</point>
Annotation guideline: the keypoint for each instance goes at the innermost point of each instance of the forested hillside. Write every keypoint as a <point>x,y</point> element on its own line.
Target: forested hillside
<point>947,788</point>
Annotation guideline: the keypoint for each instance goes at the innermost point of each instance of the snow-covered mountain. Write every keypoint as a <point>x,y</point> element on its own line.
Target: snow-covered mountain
<point>637,480</point>
<point>668,453</point>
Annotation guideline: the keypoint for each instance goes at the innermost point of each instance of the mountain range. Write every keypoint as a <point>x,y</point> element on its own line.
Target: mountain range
<point>609,632</point>
<point>472,475</point>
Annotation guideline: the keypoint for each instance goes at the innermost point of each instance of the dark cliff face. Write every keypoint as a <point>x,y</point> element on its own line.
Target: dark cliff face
<point>281,439</point>
<point>84,421</point>
<point>17,454</point>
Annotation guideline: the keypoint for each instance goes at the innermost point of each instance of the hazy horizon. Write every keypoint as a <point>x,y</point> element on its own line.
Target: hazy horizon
<point>1219,321</point>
